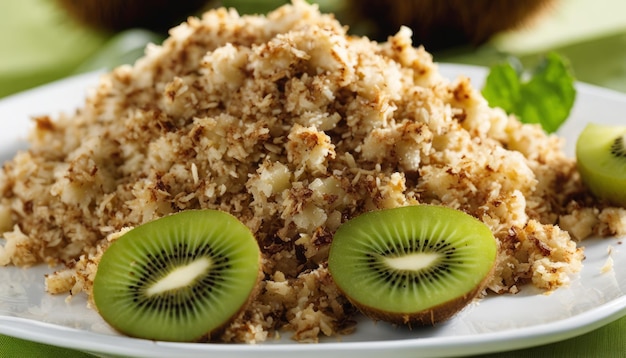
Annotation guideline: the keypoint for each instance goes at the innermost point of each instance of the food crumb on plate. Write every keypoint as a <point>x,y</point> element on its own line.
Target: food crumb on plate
<point>608,264</point>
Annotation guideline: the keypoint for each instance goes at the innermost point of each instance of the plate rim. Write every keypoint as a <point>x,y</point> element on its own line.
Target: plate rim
<point>526,337</point>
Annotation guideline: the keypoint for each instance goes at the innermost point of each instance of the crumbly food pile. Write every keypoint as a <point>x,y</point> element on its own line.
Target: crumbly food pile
<point>292,126</point>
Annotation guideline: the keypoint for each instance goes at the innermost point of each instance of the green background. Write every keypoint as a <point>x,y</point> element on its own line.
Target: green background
<point>39,43</point>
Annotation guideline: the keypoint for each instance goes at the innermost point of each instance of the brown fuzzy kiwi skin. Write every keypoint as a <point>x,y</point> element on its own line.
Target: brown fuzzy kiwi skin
<point>429,317</point>
<point>435,23</point>
<point>117,15</point>
<point>440,24</point>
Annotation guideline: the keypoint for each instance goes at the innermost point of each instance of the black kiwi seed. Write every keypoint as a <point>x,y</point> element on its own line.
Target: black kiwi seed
<point>179,278</point>
<point>412,265</point>
<point>617,148</point>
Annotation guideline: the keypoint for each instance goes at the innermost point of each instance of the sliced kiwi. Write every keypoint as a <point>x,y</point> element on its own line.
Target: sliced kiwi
<point>601,161</point>
<point>178,278</point>
<point>414,265</point>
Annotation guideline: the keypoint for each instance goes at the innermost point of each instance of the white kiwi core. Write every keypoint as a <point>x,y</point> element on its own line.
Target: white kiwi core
<point>412,262</point>
<point>180,277</point>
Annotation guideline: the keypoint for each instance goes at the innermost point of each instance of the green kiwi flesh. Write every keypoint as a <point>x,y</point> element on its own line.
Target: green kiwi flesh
<point>601,161</point>
<point>414,265</point>
<point>178,278</point>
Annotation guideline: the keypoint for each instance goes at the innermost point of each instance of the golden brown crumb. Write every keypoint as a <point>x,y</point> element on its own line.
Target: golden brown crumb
<point>608,264</point>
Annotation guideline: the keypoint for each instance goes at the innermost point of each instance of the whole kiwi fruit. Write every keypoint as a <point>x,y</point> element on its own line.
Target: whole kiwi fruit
<point>414,265</point>
<point>182,277</point>
<point>436,24</point>
<point>440,24</point>
<point>601,161</point>
<point>117,15</point>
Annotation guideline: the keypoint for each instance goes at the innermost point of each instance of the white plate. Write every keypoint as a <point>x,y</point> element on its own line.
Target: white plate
<point>497,323</point>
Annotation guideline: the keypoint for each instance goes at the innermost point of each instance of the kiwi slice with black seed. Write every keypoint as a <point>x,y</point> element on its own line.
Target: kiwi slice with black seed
<point>413,265</point>
<point>182,277</point>
<point>601,161</point>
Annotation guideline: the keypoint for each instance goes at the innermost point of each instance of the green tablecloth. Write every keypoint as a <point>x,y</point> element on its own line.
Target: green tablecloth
<point>38,44</point>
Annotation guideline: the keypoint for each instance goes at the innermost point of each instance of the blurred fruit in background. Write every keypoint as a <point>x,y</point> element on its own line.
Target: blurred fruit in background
<point>436,24</point>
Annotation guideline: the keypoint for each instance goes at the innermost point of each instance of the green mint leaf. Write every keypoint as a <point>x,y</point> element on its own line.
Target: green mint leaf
<point>502,87</point>
<point>546,98</point>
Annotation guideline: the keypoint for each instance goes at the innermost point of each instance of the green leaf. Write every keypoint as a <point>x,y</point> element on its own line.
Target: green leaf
<point>546,98</point>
